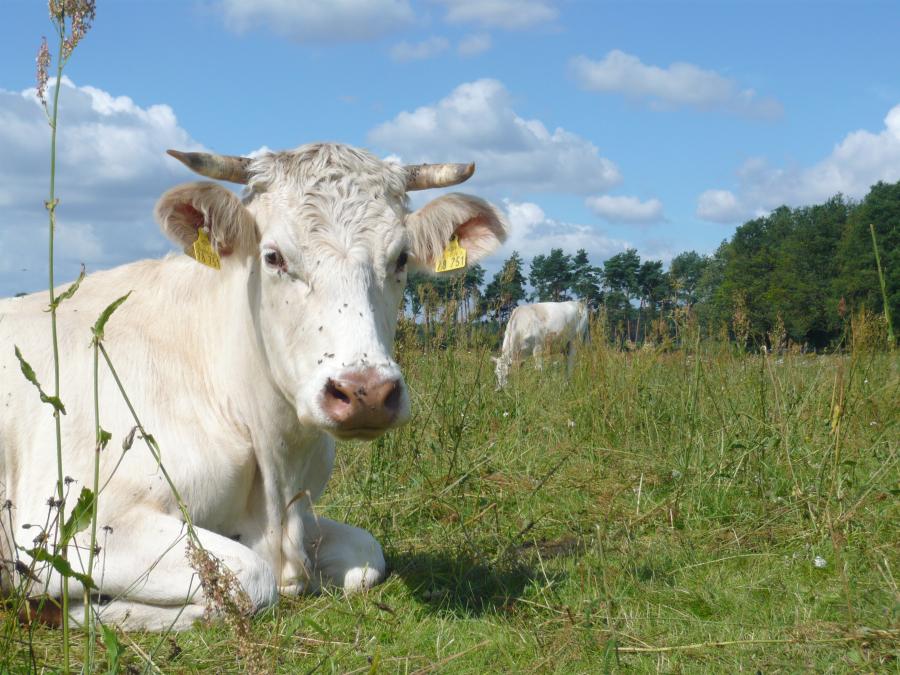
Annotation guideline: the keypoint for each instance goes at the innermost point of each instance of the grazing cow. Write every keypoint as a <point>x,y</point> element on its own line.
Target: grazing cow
<point>541,327</point>
<point>244,375</point>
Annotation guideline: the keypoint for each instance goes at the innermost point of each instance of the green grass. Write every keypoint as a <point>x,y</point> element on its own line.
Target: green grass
<point>652,502</point>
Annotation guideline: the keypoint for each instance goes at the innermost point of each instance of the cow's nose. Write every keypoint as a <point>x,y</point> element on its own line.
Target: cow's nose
<point>362,403</point>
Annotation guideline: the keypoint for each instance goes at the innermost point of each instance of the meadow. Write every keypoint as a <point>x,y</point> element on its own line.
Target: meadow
<point>691,510</point>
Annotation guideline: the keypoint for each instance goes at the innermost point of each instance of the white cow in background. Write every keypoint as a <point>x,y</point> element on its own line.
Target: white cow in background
<point>539,328</point>
<point>245,375</point>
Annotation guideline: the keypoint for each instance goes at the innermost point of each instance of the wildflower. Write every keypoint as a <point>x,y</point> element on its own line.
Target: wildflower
<point>43,64</point>
<point>506,413</point>
<point>80,13</point>
<point>223,595</point>
<point>819,562</point>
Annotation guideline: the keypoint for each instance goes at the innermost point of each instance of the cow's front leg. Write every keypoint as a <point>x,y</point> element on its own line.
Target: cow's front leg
<point>342,555</point>
<point>538,355</point>
<point>148,582</point>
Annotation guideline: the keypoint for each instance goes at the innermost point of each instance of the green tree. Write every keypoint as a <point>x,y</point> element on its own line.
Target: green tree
<point>505,290</point>
<point>713,306</point>
<point>620,278</point>
<point>586,280</point>
<point>857,277</point>
<point>685,273</point>
<point>551,276</point>
<point>471,290</point>
<point>752,258</point>
<point>800,289</point>
<point>652,288</point>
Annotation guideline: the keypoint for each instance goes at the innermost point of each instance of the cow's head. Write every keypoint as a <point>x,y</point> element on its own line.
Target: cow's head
<point>325,238</point>
<point>501,369</point>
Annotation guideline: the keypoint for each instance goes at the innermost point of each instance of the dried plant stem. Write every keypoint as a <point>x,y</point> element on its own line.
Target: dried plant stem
<point>876,635</point>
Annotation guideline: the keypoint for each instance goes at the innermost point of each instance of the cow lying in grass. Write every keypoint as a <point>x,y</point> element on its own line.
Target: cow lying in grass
<point>244,374</point>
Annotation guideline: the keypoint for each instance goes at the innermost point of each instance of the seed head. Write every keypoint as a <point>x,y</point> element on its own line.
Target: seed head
<point>80,15</point>
<point>43,64</point>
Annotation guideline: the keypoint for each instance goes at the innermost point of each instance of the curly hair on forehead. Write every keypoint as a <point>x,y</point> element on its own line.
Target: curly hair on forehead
<point>319,164</point>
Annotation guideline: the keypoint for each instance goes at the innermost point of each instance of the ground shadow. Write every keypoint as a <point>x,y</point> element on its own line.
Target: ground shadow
<point>461,584</point>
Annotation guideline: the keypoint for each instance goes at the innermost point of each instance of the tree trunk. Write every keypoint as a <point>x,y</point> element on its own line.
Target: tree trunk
<point>637,329</point>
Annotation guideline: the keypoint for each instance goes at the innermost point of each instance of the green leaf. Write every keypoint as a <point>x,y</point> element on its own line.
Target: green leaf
<point>54,401</point>
<point>105,438</point>
<point>99,327</point>
<point>611,654</point>
<point>114,649</point>
<point>316,627</point>
<point>80,518</point>
<point>27,370</point>
<point>70,291</point>
<point>30,375</point>
<point>61,565</point>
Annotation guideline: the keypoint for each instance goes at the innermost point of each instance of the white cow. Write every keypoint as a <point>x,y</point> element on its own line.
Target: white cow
<point>542,327</point>
<point>245,375</point>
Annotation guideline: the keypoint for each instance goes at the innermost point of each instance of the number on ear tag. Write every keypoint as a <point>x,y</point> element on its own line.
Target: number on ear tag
<point>453,257</point>
<point>204,251</point>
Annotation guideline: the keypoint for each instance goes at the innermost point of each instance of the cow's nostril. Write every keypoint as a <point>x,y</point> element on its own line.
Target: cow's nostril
<point>332,390</point>
<point>392,400</point>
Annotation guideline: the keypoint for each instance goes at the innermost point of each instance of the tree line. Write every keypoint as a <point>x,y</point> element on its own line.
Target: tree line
<point>796,273</point>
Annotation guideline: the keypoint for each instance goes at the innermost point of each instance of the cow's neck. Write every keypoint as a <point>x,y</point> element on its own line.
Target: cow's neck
<point>283,448</point>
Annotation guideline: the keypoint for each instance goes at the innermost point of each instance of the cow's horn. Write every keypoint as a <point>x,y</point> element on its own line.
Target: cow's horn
<point>221,167</point>
<point>424,176</point>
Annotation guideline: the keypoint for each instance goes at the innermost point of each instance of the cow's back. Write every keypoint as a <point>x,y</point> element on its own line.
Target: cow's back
<point>162,342</point>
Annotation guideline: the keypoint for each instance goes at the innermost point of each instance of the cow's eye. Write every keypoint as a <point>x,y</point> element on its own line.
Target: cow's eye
<point>274,259</point>
<point>401,261</point>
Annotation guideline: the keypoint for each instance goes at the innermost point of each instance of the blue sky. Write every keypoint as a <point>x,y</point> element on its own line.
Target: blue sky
<point>596,124</point>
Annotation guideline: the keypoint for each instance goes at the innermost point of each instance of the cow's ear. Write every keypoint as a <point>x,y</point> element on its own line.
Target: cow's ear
<point>478,226</point>
<point>185,209</point>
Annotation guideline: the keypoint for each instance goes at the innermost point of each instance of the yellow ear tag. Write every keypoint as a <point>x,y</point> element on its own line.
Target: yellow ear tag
<point>453,257</point>
<point>204,252</point>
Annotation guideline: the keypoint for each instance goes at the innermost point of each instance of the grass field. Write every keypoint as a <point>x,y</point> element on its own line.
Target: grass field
<point>692,511</point>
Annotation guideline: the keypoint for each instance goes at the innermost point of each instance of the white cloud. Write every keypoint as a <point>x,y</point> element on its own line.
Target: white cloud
<point>533,233</point>
<point>681,84</point>
<point>476,122</point>
<point>111,167</point>
<point>719,206</point>
<point>857,162</point>
<point>507,14</point>
<point>427,49</point>
<point>625,209</point>
<point>475,44</point>
<point>318,21</point>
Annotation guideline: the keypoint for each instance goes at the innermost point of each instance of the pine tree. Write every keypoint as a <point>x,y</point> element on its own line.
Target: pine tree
<point>652,288</point>
<point>586,280</point>
<point>620,277</point>
<point>505,290</point>
<point>551,276</point>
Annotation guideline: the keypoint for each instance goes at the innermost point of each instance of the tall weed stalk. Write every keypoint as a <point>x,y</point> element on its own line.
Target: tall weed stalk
<point>71,19</point>
<point>884,296</point>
